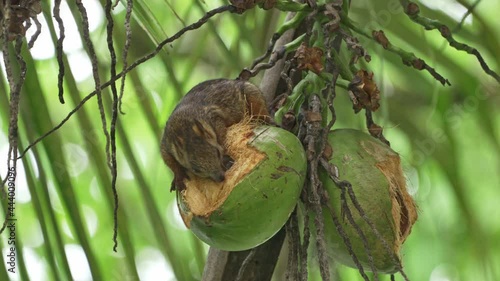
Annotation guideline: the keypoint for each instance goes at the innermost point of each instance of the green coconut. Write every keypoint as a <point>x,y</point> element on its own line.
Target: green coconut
<point>379,185</point>
<point>258,195</point>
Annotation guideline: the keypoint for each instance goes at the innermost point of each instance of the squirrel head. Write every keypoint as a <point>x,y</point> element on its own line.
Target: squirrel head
<point>201,154</point>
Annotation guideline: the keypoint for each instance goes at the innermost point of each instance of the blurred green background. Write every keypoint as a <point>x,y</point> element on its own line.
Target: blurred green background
<point>448,137</point>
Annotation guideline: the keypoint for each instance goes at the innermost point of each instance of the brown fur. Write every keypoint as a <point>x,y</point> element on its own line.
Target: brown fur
<point>194,136</point>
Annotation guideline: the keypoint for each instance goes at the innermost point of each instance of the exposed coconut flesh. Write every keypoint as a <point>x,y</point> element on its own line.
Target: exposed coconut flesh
<point>203,196</point>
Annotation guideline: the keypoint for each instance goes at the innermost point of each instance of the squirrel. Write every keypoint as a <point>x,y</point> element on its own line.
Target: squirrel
<point>195,133</point>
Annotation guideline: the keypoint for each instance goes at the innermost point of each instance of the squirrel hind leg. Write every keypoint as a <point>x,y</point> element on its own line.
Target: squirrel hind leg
<point>177,184</point>
<point>257,108</point>
<point>256,104</point>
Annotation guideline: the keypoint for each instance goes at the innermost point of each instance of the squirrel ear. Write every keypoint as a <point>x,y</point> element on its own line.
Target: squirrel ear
<point>204,130</point>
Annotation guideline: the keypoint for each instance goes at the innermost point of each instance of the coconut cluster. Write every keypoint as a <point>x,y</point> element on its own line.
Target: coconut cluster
<point>262,188</point>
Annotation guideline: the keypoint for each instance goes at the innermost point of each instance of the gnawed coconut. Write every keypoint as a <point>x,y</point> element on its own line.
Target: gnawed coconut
<point>374,171</point>
<point>258,194</point>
